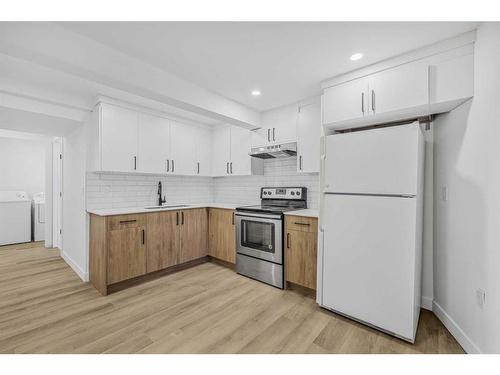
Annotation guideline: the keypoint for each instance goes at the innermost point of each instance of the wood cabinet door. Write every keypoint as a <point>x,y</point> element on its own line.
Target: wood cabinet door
<point>126,253</point>
<point>162,240</point>
<point>193,234</point>
<point>300,258</point>
<point>222,241</point>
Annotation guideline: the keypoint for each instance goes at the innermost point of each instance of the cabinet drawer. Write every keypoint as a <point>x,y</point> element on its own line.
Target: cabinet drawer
<point>126,221</point>
<point>301,223</point>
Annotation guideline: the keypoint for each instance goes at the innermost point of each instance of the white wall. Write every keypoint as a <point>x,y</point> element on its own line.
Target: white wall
<point>467,225</point>
<point>74,226</point>
<point>22,164</point>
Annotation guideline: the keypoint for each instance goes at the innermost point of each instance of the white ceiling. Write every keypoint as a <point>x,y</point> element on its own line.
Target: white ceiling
<point>285,61</point>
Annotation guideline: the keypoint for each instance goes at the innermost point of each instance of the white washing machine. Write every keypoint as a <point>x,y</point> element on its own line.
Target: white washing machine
<point>15,217</point>
<point>38,216</point>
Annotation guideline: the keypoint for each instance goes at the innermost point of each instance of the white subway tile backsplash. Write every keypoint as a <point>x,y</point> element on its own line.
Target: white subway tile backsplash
<point>110,190</point>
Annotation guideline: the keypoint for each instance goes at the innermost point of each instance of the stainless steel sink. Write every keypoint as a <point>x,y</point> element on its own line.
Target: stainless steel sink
<point>165,207</point>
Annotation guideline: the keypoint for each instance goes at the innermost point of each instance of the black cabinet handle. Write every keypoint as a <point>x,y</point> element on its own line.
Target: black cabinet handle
<point>233,219</point>
<point>127,221</point>
<point>231,167</point>
<point>274,138</point>
<point>135,163</point>
<point>177,218</point>
<point>288,240</point>
<point>143,236</point>
<point>306,224</point>
<point>198,167</point>
<point>269,135</point>
<point>173,166</point>
<point>182,218</point>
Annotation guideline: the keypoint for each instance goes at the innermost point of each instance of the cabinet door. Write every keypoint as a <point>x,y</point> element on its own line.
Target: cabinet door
<point>126,253</point>
<point>347,101</point>
<point>403,87</point>
<point>308,138</point>
<point>301,257</point>
<point>183,145</point>
<point>193,234</point>
<point>241,162</point>
<point>162,240</point>
<point>153,144</point>
<point>203,152</point>
<point>221,154</point>
<point>222,241</point>
<point>118,139</point>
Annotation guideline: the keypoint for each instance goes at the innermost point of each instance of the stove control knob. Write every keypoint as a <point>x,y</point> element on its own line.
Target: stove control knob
<point>298,192</point>
<point>293,193</point>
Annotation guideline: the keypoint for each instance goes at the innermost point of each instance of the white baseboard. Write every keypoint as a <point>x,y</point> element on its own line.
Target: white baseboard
<point>81,274</point>
<point>426,303</point>
<point>455,330</point>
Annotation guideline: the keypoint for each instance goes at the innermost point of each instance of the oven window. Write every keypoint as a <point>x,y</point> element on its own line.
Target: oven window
<point>257,235</point>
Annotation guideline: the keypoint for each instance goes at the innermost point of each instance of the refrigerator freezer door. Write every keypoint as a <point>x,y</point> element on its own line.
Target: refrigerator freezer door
<point>369,260</point>
<point>378,161</point>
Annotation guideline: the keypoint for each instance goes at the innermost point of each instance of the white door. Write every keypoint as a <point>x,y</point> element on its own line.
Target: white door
<point>379,161</point>
<point>118,139</point>
<point>308,136</point>
<point>203,152</point>
<point>153,144</point>
<point>221,151</point>
<point>369,259</point>
<point>404,87</point>
<point>241,162</point>
<point>347,101</point>
<point>183,146</point>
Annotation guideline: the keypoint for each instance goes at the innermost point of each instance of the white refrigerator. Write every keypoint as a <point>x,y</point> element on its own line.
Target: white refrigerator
<point>369,268</point>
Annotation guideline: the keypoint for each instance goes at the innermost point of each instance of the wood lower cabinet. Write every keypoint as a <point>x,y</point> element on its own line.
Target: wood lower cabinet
<point>193,234</point>
<point>221,238</point>
<point>124,247</point>
<point>162,240</point>
<point>301,243</point>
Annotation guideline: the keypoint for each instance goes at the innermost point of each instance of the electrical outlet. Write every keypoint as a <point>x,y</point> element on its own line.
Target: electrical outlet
<point>481,297</point>
<point>444,193</point>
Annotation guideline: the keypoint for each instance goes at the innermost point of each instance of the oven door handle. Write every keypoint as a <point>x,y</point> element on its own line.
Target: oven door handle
<point>257,215</point>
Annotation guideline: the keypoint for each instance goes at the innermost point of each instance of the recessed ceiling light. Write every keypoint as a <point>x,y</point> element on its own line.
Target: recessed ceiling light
<point>255,92</point>
<point>356,56</point>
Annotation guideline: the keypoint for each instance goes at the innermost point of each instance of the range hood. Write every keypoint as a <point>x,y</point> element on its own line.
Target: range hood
<point>283,150</point>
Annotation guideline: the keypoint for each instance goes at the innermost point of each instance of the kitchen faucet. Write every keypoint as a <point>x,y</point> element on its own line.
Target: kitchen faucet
<point>160,200</point>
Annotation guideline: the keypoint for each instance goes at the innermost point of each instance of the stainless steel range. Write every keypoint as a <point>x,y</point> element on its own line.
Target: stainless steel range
<point>259,233</point>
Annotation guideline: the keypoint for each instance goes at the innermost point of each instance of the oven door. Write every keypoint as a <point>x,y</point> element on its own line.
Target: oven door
<point>260,236</point>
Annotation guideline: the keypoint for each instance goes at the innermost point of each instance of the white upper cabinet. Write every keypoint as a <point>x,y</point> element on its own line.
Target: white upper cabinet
<point>153,144</point>
<point>230,148</point>
<point>402,87</point>
<point>183,149</point>
<point>347,101</point>
<point>221,151</point>
<point>420,87</point>
<point>203,152</point>
<point>118,139</point>
<point>308,137</point>
<point>240,163</point>
<point>277,126</point>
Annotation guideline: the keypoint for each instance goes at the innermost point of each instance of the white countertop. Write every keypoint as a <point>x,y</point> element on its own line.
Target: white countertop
<point>142,210</point>
<point>308,212</point>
